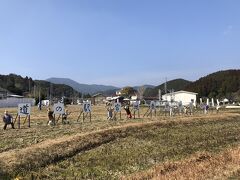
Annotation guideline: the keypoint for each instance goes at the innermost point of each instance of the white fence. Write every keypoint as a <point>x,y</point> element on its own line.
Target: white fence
<point>13,102</point>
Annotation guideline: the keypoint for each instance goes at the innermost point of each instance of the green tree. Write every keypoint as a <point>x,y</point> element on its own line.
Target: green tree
<point>128,91</point>
<point>87,96</point>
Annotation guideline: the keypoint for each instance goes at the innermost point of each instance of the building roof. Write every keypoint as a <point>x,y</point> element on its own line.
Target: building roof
<point>98,94</point>
<point>15,96</point>
<point>114,98</point>
<point>180,92</point>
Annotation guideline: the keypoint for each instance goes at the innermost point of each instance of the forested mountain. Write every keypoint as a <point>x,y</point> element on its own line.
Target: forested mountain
<point>84,88</point>
<point>26,86</point>
<point>221,84</point>
<point>218,85</point>
<point>176,85</point>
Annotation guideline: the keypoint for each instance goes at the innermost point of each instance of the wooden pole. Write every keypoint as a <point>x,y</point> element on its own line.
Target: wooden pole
<point>18,122</point>
<point>25,119</point>
<point>146,113</point>
<point>79,116</point>
<point>15,119</point>
<point>58,117</point>
<point>90,117</point>
<point>114,116</point>
<point>29,121</point>
<point>54,118</point>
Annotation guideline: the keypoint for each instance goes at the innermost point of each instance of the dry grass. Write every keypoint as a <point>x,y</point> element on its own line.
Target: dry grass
<point>202,165</point>
<point>143,147</point>
<point>40,145</point>
<point>40,131</point>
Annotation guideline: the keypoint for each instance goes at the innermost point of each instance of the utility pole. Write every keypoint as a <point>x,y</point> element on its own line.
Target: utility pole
<point>172,95</point>
<point>50,93</point>
<point>29,86</point>
<point>34,91</point>
<point>39,94</point>
<point>160,95</point>
<point>165,86</point>
<point>82,97</point>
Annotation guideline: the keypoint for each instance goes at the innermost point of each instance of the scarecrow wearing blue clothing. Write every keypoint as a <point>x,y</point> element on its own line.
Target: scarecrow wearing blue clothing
<point>7,119</point>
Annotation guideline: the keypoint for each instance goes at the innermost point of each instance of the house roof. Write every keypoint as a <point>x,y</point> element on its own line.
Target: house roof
<point>179,92</point>
<point>98,94</point>
<point>114,98</point>
<point>15,96</point>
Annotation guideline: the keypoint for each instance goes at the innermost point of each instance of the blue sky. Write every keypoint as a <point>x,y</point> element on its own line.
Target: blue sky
<point>119,42</point>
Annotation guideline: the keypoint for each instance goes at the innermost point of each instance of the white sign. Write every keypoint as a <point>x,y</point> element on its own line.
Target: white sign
<point>87,107</point>
<point>58,108</point>
<point>207,101</point>
<point>45,102</point>
<point>24,109</point>
<point>213,102</point>
<point>152,105</point>
<point>136,106</point>
<point>117,107</point>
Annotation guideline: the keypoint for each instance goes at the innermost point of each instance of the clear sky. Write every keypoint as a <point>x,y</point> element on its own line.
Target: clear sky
<point>119,42</point>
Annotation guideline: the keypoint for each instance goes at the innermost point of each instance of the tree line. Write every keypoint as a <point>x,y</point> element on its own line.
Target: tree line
<point>26,86</point>
<point>221,84</point>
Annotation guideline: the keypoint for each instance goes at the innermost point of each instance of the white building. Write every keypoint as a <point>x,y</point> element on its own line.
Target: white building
<point>134,99</point>
<point>184,96</point>
<point>14,100</point>
<point>118,93</point>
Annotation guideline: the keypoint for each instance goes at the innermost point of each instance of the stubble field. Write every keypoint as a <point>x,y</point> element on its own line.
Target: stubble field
<point>188,147</point>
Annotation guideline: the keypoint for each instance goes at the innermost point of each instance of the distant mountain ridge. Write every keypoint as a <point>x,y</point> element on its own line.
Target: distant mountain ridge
<point>83,88</point>
<point>221,84</point>
<point>112,92</point>
<point>145,86</point>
